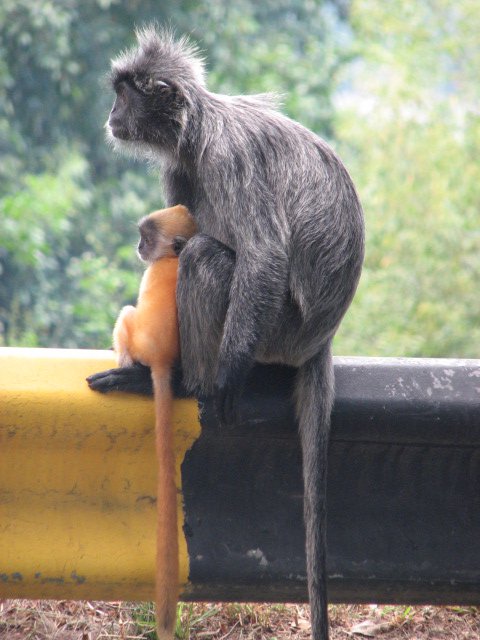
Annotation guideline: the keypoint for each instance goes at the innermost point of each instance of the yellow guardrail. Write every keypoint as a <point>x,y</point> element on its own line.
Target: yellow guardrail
<point>77,485</point>
<point>77,480</point>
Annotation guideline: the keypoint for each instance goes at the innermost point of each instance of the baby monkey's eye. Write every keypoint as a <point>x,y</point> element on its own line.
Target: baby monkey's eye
<point>178,243</point>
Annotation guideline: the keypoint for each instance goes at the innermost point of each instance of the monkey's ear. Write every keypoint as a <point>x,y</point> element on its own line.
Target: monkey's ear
<point>178,243</point>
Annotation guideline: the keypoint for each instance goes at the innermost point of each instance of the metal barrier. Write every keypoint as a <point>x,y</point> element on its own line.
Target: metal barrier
<point>77,485</point>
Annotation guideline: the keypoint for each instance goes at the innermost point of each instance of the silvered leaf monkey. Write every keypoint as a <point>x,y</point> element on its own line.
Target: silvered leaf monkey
<point>148,333</point>
<point>277,259</point>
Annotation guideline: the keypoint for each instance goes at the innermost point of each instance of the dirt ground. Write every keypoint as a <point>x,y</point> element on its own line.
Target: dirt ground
<point>69,620</point>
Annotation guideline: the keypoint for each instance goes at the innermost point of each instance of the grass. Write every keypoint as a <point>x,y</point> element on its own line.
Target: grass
<point>71,620</point>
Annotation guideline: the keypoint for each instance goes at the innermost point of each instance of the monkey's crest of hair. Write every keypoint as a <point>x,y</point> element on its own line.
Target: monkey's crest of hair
<point>161,54</point>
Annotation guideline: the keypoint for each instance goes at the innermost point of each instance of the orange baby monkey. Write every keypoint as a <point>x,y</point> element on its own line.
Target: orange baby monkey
<point>148,333</point>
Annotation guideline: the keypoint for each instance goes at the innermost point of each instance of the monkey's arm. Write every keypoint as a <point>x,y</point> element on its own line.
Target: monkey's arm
<point>258,292</point>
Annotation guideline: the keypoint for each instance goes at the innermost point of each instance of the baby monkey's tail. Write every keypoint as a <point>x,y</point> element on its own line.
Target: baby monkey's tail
<point>167,571</point>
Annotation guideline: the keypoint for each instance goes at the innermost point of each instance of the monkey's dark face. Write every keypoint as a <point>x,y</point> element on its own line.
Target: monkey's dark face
<point>155,243</point>
<point>146,109</point>
<point>152,243</point>
<point>153,83</point>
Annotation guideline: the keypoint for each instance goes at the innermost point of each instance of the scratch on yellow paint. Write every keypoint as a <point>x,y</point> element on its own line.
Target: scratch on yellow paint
<point>77,480</point>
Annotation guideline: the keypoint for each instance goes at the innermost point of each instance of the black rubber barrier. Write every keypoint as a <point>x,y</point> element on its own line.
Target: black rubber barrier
<point>404,488</point>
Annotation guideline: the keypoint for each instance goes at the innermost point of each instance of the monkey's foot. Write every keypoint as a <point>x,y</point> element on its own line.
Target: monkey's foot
<point>134,379</point>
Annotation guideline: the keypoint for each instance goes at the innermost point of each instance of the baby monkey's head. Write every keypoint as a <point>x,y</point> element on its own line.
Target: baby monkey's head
<point>164,233</point>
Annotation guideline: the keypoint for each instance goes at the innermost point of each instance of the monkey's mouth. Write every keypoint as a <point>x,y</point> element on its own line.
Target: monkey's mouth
<point>119,132</point>
<point>116,129</point>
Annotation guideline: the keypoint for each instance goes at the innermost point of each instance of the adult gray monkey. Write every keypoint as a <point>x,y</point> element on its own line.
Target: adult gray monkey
<point>277,261</point>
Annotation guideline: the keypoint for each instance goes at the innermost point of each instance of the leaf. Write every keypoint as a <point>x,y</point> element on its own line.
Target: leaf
<point>371,629</point>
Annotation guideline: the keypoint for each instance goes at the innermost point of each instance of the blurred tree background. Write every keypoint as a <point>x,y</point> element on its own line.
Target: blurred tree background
<point>392,86</point>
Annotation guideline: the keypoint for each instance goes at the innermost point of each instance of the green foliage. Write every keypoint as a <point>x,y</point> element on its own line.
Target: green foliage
<point>67,203</point>
<point>143,614</point>
<point>57,287</point>
<point>392,85</point>
<point>187,620</point>
<point>293,49</point>
<point>412,143</point>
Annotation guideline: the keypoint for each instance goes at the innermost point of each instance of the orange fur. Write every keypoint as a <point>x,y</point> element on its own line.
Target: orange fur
<point>148,333</point>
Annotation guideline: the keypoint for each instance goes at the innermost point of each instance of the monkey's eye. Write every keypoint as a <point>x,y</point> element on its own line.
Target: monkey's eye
<point>160,84</point>
<point>178,243</point>
<point>149,85</point>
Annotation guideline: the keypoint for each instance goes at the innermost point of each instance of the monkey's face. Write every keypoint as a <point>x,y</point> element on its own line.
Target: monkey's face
<point>165,233</point>
<point>146,109</point>
<point>156,243</point>
<point>153,244</point>
<point>152,83</point>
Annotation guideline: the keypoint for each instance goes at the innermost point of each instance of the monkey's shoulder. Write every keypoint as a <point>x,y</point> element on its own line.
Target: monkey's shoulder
<point>260,101</point>
<point>253,123</point>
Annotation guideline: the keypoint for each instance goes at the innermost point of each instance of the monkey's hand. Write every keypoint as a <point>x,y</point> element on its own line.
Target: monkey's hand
<point>134,379</point>
<point>229,387</point>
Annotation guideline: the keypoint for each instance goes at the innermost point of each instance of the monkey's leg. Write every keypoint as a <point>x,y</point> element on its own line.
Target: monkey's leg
<point>204,279</point>
<point>131,376</point>
<point>123,335</point>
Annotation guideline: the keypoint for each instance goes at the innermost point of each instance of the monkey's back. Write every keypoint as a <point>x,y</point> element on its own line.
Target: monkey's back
<point>155,336</point>
<point>285,186</point>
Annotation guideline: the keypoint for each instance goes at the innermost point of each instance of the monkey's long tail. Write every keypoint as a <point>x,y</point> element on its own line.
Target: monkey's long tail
<point>314,399</point>
<point>167,571</point>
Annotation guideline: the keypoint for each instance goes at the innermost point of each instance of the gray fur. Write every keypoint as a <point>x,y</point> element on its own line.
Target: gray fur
<point>279,255</point>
